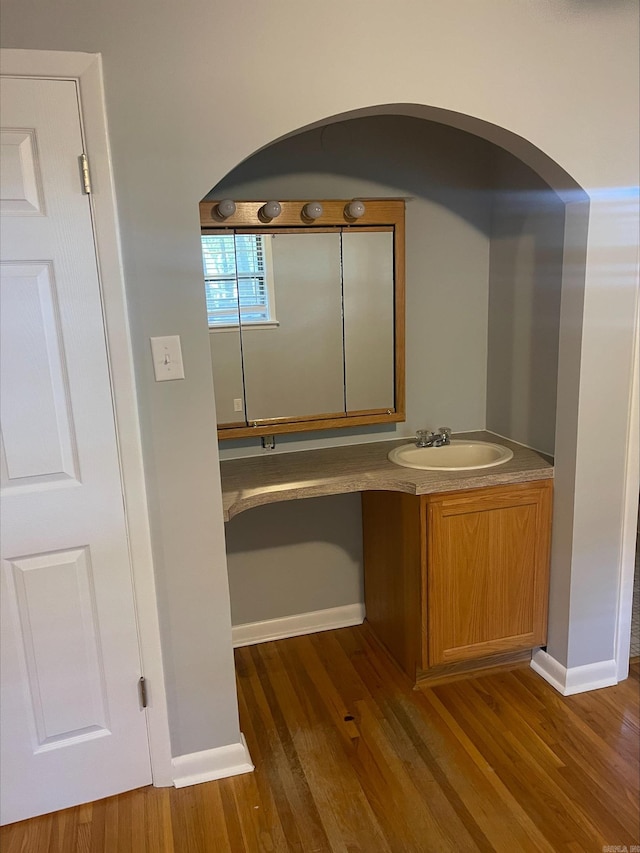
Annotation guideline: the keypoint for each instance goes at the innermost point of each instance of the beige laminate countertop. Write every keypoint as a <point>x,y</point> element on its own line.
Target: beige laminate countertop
<point>258,480</point>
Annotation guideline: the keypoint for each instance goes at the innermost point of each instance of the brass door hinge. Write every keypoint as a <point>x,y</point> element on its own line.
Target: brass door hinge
<point>86,179</point>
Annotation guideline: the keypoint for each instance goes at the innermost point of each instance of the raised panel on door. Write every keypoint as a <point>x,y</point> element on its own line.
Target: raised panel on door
<point>487,572</point>
<point>37,428</point>
<point>53,610</point>
<point>72,726</point>
<point>20,178</point>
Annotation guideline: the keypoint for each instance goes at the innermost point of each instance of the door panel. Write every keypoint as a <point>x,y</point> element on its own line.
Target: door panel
<point>65,685</point>
<point>73,730</point>
<point>20,181</point>
<point>36,428</point>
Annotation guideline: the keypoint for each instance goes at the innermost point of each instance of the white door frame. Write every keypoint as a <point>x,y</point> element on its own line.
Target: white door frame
<point>86,70</point>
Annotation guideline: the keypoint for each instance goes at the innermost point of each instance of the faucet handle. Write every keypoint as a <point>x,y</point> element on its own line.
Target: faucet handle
<point>422,437</point>
<point>445,432</point>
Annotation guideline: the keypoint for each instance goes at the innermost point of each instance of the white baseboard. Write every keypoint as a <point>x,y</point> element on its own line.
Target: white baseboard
<point>210,764</point>
<point>577,679</point>
<point>294,626</point>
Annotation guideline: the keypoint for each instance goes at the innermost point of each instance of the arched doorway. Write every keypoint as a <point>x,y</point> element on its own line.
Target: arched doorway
<point>521,212</point>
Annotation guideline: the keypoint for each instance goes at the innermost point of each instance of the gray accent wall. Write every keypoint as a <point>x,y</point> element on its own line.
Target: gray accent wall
<point>525,283</point>
<point>295,557</point>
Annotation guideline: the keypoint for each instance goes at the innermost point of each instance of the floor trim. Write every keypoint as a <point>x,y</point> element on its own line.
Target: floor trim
<point>210,764</point>
<point>577,679</point>
<point>251,633</point>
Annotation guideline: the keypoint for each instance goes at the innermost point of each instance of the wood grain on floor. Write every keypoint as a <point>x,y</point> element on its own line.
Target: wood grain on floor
<point>349,758</point>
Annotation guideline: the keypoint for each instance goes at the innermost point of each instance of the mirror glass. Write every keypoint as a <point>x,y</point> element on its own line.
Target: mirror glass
<point>223,317</point>
<point>294,369</point>
<point>368,304</point>
<point>306,325</point>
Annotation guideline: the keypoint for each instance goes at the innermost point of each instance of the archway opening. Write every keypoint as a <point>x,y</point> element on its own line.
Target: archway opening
<point>495,231</point>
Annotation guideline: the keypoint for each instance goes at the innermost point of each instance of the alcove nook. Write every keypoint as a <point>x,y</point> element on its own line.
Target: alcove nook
<point>495,264</point>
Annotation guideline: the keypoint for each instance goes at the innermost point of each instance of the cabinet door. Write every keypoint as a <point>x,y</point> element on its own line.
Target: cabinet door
<point>488,568</point>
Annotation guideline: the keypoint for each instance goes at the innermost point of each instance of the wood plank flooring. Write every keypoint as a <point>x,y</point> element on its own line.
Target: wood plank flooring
<point>349,758</point>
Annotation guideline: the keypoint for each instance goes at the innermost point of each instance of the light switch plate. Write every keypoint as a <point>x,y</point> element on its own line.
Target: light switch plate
<point>167,358</point>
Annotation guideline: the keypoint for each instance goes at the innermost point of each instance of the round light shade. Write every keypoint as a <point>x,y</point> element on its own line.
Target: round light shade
<point>226,208</point>
<point>312,210</point>
<point>271,209</point>
<point>355,209</point>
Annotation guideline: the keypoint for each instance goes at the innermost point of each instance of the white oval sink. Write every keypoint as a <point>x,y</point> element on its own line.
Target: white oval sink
<point>459,455</point>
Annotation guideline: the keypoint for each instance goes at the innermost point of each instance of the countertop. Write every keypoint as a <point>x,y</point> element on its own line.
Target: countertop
<point>257,480</point>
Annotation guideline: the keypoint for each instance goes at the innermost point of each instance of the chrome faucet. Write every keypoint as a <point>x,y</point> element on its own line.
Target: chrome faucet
<point>425,438</point>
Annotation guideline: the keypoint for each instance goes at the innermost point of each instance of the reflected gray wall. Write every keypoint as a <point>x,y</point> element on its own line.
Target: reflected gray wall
<point>525,279</point>
<point>296,368</point>
<point>226,358</point>
<point>369,340</point>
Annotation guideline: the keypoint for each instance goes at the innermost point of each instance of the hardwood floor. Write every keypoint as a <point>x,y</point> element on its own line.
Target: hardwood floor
<point>349,758</point>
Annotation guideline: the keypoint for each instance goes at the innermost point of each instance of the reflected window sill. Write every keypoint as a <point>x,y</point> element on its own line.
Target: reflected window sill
<point>246,327</point>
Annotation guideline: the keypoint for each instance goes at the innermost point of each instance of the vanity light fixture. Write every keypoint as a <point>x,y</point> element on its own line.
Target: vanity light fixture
<point>225,208</point>
<point>355,209</point>
<point>270,210</point>
<point>312,210</point>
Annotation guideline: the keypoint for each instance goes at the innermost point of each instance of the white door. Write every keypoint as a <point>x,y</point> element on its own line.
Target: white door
<point>72,726</point>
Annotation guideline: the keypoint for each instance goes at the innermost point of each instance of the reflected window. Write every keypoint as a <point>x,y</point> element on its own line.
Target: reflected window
<point>238,276</point>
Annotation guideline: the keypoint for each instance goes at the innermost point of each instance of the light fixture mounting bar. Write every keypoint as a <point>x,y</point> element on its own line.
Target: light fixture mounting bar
<point>248,213</point>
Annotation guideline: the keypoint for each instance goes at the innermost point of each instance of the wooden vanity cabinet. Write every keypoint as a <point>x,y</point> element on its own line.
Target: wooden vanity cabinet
<point>457,577</point>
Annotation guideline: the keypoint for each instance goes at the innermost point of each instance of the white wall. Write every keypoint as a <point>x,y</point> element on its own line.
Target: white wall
<point>189,95</point>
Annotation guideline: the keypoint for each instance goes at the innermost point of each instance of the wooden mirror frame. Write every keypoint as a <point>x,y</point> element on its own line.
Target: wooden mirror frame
<point>378,212</point>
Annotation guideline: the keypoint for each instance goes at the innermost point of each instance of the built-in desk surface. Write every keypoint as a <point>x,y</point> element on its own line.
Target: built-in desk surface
<point>264,479</point>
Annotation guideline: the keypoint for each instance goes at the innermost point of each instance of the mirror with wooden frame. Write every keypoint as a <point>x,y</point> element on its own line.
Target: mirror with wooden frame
<point>306,315</point>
